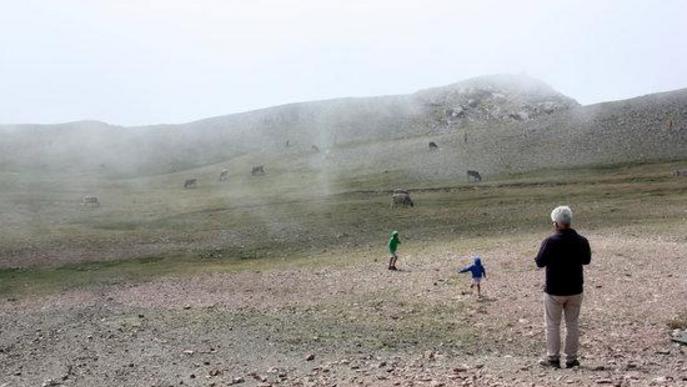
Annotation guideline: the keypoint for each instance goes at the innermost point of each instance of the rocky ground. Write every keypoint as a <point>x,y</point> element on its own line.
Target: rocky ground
<point>352,322</point>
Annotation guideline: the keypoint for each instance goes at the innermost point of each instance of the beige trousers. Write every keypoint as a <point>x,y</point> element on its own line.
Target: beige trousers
<point>570,306</point>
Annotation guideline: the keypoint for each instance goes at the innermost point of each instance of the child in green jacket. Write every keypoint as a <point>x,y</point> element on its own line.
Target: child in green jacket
<point>393,246</point>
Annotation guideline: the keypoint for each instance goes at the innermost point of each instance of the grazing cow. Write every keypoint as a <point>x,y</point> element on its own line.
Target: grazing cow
<point>190,183</point>
<point>90,201</point>
<point>433,145</point>
<point>401,198</point>
<point>315,148</point>
<point>679,172</point>
<point>474,176</point>
<point>224,175</point>
<point>258,171</point>
<point>288,143</point>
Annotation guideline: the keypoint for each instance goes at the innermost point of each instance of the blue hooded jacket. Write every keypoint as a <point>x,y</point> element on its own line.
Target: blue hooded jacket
<point>477,270</point>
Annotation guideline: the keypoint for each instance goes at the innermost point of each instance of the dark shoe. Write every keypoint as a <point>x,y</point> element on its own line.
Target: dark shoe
<point>572,363</point>
<point>550,363</point>
<point>393,268</point>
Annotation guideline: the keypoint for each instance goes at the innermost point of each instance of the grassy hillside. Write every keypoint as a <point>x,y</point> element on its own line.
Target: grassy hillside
<point>347,122</point>
<point>337,195</point>
<point>496,125</point>
<point>152,226</point>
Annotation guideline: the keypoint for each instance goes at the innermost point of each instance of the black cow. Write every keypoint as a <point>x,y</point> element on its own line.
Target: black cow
<point>90,201</point>
<point>258,171</point>
<point>474,176</point>
<point>401,198</point>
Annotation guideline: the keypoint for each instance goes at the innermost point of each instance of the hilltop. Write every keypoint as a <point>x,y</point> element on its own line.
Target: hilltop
<point>495,124</point>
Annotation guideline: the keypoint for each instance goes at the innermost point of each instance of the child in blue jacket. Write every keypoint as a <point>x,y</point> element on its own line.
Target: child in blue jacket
<point>478,272</point>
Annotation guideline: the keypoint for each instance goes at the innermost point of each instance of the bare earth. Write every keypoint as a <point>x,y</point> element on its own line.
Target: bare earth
<point>354,323</point>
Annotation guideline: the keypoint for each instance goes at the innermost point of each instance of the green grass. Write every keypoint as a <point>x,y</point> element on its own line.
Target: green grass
<point>42,280</point>
<point>290,219</point>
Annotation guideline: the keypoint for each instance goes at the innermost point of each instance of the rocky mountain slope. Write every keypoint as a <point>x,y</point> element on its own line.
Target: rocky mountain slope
<point>495,124</point>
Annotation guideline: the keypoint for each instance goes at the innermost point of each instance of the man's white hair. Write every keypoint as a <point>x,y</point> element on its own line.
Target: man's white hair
<point>562,215</point>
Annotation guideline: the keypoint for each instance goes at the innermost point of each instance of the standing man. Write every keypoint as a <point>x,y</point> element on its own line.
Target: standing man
<point>563,254</point>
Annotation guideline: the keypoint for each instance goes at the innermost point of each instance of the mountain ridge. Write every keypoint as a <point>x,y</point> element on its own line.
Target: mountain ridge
<point>476,113</point>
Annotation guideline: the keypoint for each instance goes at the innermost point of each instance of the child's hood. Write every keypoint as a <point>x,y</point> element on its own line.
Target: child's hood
<point>478,261</point>
<point>394,234</point>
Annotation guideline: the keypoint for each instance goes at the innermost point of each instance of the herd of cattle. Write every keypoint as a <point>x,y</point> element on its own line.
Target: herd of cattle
<point>399,197</point>
<point>224,176</point>
<point>259,170</point>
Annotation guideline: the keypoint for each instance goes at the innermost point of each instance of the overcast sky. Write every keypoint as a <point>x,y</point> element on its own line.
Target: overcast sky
<point>165,61</point>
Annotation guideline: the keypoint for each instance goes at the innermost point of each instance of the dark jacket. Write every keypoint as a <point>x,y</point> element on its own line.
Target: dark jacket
<point>563,254</point>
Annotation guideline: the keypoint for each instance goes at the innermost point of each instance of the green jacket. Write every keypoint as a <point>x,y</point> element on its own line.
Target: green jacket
<point>393,243</point>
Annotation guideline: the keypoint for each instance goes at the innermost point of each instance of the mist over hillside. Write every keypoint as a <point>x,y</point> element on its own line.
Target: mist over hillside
<point>494,124</point>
